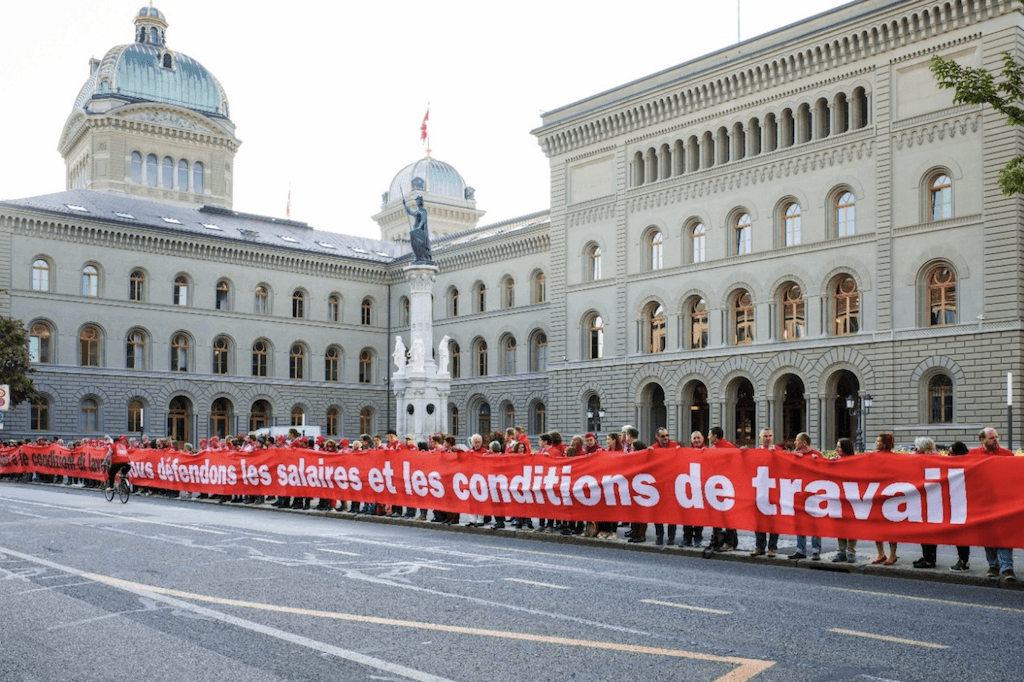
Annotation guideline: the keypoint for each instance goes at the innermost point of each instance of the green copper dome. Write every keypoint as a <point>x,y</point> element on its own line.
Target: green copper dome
<point>148,71</point>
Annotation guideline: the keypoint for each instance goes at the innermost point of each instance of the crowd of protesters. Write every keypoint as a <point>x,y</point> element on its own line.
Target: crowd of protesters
<point>551,444</point>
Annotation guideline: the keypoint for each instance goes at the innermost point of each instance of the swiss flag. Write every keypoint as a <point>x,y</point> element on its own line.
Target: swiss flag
<point>423,126</point>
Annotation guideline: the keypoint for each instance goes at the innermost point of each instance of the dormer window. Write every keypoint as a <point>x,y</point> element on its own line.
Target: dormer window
<point>167,63</point>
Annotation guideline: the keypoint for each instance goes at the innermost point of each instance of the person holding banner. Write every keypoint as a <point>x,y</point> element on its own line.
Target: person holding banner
<point>766,540</point>
<point>1000,559</point>
<point>693,536</point>
<point>884,443</point>
<point>716,439</point>
<point>803,448</point>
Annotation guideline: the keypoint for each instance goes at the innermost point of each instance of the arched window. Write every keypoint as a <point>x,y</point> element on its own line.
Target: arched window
<point>453,303</point>
<point>39,344</point>
<point>151,170</point>
<point>90,281</point>
<point>135,416</point>
<point>183,175</point>
<point>39,417</point>
<point>90,415</point>
<point>453,420</point>
<point>594,412</point>
<point>539,418</point>
<point>365,367</point>
<point>508,416</point>
<point>179,353</point>
<point>297,362</point>
<point>941,283</point>
<point>792,313</point>
<point>508,295</point>
<point>365,420</point>
<point>332,361</point>
<point>259,415</point>
<point>481,358</point>
<point>743,318</point>
<point>298,416</point>
<point>403,311</point>
<point>940,400</point>
<point>539,357</point>
<point>540,288</point>
<point>366,312</point>
<point>167,61</point>
<point>135,351</point>
<point>595,337</point>
<point>136,168</point>
<point>791,224</point>
<point>298,304</point>
<point>40,275</point>
<point>456,355</point>
<point>846,304</point>
<point>180,293</point>
<point>483,414</point>
<point>167,173</point>
<point>137,286</point>
<point>89,347</point>
<point>845,215</point>
<point>698,243</point>
<point>223,291</point>
<point>197,177</point>
<point>698,324</point>
<point>742,234</point>
<point>481,298</point>
<point>332,422</point>
<point>262,296</point>
<point>655,326</point>
<point>221,355</point>
<point>940,194</point>
<point>508,355</point>
<point>333,308</point>
<point>220,417</point>
<point>593,264</point>
<point>655,250</point>
<point>259,359</point>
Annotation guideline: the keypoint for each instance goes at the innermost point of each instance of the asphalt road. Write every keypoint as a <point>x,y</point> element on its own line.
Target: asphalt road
<point>165,590</point>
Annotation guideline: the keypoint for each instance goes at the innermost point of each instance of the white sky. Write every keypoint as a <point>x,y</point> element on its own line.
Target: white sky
<point>328,96</point>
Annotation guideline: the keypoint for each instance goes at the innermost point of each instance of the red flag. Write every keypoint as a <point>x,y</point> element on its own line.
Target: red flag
<point>423,126</point>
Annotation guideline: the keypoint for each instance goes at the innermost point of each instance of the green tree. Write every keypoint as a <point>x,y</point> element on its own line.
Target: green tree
<point>1005,94</point>
<point>15,364</point>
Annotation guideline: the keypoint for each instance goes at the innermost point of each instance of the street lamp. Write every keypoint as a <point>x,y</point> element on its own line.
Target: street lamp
<point>595,418</point>
<point>861,414</point>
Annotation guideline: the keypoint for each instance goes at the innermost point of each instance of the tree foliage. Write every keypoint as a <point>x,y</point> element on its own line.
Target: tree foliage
<point>1005,95</point>
<point>15,364</point>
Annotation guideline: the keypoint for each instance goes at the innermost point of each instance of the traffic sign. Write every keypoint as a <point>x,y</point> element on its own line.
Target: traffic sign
<point>5,393</point>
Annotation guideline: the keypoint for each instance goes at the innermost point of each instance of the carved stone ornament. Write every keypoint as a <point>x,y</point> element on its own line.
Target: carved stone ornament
<point>167,119</point>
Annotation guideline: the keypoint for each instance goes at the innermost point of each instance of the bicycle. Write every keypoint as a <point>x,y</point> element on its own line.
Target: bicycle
<point>122,488</point>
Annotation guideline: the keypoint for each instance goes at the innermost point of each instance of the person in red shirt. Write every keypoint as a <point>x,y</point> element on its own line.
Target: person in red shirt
<point>119,460</point>
<point>766,543</point>
<point>693,536</point>
<point>1000,559</point>
<point>590,444</point>
<point>716,439</point>
<point>662,441</point>
<point>802,447</point>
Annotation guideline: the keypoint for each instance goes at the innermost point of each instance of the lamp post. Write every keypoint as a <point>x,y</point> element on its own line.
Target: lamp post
<point>861,415</point>
<point>594,419</point>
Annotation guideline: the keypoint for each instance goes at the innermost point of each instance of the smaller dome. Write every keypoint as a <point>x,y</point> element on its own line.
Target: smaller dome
<point>429,176</point>
<point>151,12</point>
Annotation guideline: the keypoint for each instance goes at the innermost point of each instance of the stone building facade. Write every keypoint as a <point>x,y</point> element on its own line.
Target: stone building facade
<point>764,236</point>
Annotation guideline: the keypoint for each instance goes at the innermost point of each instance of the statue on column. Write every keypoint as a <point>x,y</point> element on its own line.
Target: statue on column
<point>419,236</point>
<point>399,355</point>
<point>418,355</point>
<point>443,355</point>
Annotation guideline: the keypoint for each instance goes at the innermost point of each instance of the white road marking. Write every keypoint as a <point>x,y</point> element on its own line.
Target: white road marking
<point>338,551</point>
<point>886,638</point>
<point>354,656</point>
<point>21,513</point>
<point>686,606</point>
<point>531,582</point>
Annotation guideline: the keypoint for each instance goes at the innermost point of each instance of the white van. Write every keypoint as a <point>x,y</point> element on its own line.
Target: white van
<point>275,431</point>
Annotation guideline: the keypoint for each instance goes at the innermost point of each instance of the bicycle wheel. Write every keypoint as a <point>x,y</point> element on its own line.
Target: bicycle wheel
<point>108,493</point>
<point>124,490</point>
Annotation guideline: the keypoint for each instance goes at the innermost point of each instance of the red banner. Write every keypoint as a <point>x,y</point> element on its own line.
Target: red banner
<point>969,500</point>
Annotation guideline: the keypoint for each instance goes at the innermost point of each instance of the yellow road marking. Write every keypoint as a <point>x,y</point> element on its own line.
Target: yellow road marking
<point>932,601</point>
<point>746,667</point>
<point>338,551</point>
<point>886,638</point>
<point>686,606</point>
<point>530,582</point>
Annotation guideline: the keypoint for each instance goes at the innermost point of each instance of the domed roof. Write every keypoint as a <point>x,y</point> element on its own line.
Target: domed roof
<point>429,176</point>
<point>146,70</point>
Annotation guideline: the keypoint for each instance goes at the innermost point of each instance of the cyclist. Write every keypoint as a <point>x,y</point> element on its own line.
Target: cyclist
<point>119,460</point>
